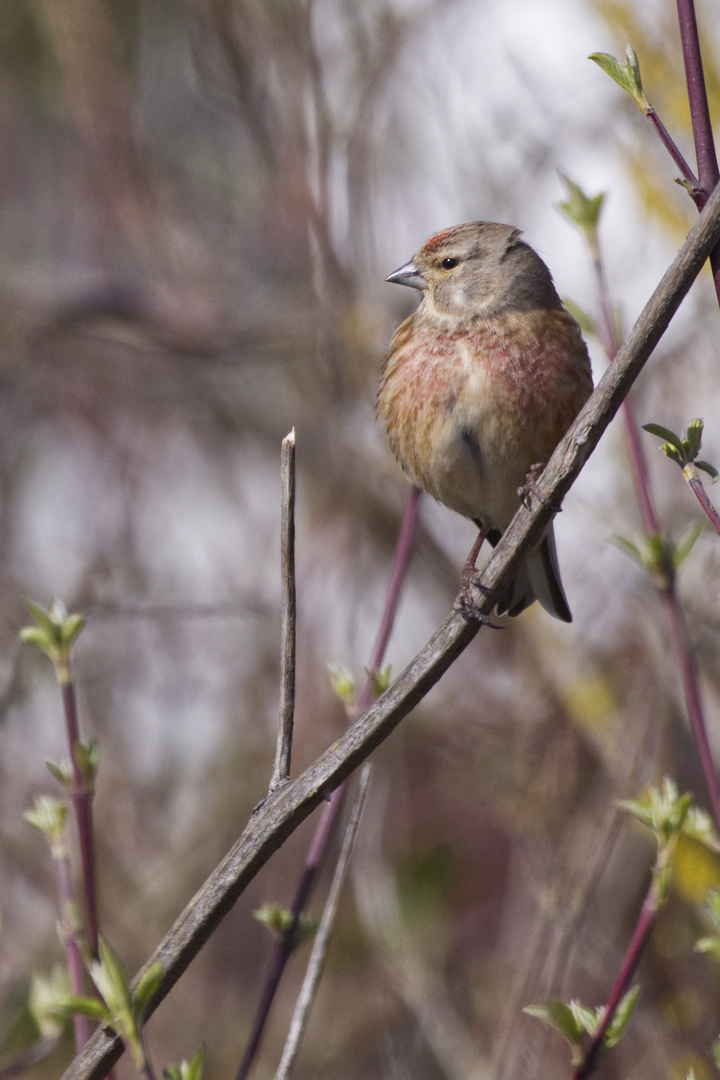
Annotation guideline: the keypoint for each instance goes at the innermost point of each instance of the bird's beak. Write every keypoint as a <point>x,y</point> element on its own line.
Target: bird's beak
<point>408,275</point>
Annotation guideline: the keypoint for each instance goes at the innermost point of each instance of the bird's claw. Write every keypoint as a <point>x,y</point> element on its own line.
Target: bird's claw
<point>467,605</point>
<point>530,487</point>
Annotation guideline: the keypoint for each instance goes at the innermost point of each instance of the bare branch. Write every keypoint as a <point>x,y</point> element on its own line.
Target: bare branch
<point>281,771</point>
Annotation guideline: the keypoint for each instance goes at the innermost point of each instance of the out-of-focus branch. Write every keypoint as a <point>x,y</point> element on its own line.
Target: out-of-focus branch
<point>322,938</point>
<point>86,43</point>
<point>641,935</point>
<point>410,967</point>
<point>254,42</point>
<point>284,811</point>
<point>332,808</point>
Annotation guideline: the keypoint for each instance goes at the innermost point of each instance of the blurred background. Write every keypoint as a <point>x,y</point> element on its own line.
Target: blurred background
<point>200,201</point>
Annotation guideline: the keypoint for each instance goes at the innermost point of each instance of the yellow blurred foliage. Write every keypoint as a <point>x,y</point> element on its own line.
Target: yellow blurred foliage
<point>695,870</point>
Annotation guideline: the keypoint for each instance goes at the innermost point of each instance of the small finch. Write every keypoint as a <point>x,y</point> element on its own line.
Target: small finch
<point>480,385</point>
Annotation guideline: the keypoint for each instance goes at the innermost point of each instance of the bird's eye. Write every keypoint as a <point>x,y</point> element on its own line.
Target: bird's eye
<point>449,263</point>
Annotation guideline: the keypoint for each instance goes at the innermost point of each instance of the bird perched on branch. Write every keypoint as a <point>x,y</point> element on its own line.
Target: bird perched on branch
<point>481,383</point>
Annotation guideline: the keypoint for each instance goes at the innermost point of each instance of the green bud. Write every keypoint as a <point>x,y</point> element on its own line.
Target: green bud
<point>343,684</point>
<point>49,815</point>
<point>187,1070</point>
<point>583,210</point>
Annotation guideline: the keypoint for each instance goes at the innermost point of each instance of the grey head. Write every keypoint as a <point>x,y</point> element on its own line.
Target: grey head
<point>479,269</point>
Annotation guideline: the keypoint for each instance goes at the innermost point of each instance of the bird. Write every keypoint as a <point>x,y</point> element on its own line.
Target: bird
<point>480,384</point>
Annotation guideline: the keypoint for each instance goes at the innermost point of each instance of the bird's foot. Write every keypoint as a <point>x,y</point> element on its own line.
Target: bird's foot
<point>530,487</point>
<point>465,602</point>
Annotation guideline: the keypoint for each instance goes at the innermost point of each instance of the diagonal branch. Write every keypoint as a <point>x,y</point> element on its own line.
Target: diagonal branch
<point>290,805</point>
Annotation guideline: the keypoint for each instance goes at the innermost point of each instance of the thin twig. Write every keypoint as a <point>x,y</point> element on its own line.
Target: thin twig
<point>68,935</point>
<point>82,804</point>
<point>270,826</point>
<point>688,670</point>
<point>322,937</point>
<point>676,154</point>
<point>24,1061</point>
<point>635,950</point>
<point>701,495</point>
<point>281,771</point>
<point>332,807</point>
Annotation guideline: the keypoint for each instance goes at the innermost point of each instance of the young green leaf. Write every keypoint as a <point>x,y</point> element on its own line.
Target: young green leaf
<point>666,434</point>
<point>147,985</point>
<point>49,815</point>
<point>709,469</point>
<point>380,680</point>
<point>709,945</point>
<point>187,1070</point>
<point>662,810</point>
<point>41,617</point>
<point>693,437</point>
<point>621,1019</point>
<point>626,75</point>
<point>71,628</point>
<point>343,684</point>
<point>279,920</point>
<point>587,1019</point>
<point>712,906</point>
<point>33,635</point>
<point>62,771</point>
<point>686,543</point>
<point>87,756</point>
<point>558,1015</point>
<point>583,210</point>
<point>53,633</point>
<point>87,1006</point>
<point>46,994</point>
<point>629,548</point>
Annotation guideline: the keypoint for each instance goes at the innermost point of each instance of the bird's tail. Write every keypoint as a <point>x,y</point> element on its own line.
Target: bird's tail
<point>538,578</point>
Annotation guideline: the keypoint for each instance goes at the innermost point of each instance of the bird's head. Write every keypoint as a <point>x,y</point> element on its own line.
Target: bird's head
<point>478,270</point>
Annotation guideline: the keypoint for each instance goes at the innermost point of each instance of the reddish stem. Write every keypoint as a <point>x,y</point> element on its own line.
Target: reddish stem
<point>331,809</point>
<point>697,96</point>
<point>73,957</point>
<point>702,497</point>
<point>611,343</point>
<point>688,669</point>
<point>635,950</point>
<point>82,804</point>
<point>700,115</point>
<point>669,143</point>
<point>639,469</point>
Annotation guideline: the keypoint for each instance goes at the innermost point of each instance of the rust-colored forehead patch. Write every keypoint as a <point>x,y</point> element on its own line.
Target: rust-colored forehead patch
<point>435,242</point>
